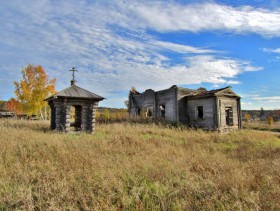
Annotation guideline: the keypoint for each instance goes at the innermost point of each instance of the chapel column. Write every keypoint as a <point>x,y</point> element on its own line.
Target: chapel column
<point>58,117</point>
<point>92,115</point>
<point>85,114</point>
<point>67,118</point>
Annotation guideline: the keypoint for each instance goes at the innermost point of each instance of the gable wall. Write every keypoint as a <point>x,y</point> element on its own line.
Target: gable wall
<point>227,102</point>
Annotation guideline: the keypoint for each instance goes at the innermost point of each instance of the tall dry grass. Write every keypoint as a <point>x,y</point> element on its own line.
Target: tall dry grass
<point>127,166</point>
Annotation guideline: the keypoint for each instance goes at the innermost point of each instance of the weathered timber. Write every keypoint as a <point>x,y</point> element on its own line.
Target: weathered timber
<point>213,110</point>
<point>84,102</point>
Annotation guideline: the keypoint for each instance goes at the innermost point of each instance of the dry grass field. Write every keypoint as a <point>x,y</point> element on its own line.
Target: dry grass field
<point>127,166</point>
<point>262,125</point>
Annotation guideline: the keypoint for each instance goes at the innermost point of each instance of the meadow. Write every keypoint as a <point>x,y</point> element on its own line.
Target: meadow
<point>132,166</point>
<point>262,125</point>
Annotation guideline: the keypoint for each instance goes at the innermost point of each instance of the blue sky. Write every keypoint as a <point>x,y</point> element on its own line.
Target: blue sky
<point>118,44</point>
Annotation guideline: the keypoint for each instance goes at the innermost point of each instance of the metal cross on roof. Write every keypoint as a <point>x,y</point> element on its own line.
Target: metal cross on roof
<point>73,74</point>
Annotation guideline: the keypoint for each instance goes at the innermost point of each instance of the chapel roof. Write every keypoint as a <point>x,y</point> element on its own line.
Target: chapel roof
<point>75,92</point>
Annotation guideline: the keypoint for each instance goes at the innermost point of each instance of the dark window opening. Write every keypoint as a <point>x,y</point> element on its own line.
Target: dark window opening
<point>229,116</point>
<point>149,112</point>
<point>138,111</point>
<point>200,112</point>
<point>162,111</point>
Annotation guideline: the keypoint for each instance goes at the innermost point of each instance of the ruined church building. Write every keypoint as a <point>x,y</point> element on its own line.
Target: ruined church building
<point>213,110</point>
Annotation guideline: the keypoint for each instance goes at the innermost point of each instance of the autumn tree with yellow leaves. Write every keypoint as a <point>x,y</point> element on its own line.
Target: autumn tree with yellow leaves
<point>33,88</point>
<point>247,117</point>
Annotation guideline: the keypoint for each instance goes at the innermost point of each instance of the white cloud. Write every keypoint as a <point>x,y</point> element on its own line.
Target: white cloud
<point>108,42</point>
<point>158,75</point>
<point>269,50</point>
<point>256,101</point>
<point>251,68</point>
<point>231,82</point>
<point>246,103</point>
<point>181,48</point>
<point>248,95</point>
<point>270,99</point>
<point>171,16</point>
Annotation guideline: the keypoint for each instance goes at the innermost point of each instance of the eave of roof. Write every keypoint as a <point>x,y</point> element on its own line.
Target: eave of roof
<point>77,93</point>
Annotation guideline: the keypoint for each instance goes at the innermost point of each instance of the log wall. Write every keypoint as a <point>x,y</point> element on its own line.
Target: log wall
<point>85,111</point>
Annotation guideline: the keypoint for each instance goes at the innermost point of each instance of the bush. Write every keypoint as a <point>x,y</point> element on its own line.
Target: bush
<point>270,120</point>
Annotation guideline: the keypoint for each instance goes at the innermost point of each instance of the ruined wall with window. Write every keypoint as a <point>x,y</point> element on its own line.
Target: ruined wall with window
<point>201,112</point>
<point>166,104</point>
<point>151,104</point>
<point>143,105</point>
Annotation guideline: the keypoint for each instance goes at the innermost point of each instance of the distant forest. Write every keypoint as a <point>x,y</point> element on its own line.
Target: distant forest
<point>256,113</point>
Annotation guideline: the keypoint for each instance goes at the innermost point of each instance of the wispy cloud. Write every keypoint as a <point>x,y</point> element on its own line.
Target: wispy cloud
<point>270,50</point>
<point>171,16</point>
<point>270,99</point>
<point>159,74</point>
<point>256,101</point>
<point>232,82</point>
<point>110,45</point>
<point>181,48</point>
<point>246,103</point>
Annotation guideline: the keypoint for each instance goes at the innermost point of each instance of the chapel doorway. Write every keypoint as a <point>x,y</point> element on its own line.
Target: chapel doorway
<point>76,118</point>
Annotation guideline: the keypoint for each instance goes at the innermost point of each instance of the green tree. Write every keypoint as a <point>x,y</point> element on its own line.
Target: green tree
<point>33,88</point>
<point>261,112</point>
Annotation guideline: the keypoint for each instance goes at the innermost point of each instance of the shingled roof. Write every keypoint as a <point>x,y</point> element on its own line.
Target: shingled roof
<point>75,92</point>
